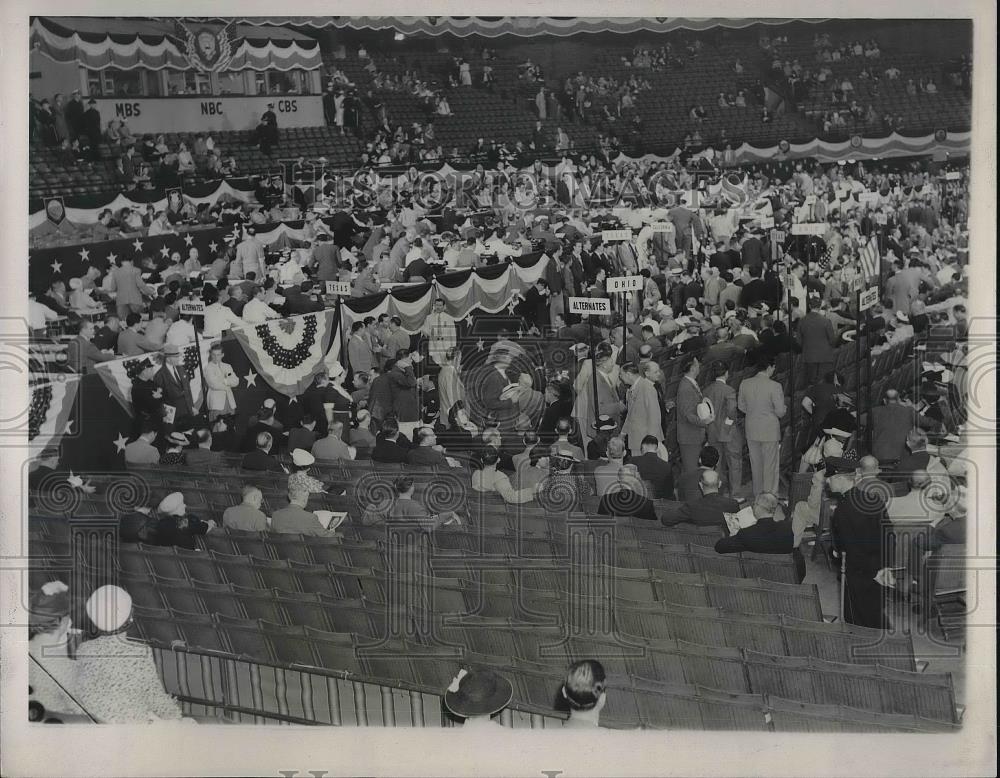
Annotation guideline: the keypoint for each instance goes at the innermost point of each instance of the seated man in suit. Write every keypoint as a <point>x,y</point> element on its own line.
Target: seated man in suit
<point>769,534</point>
<point>426,450</point>
<point>260,458</point>
<point>654,470</point>
<point>627,497</point>
<point>688,481</point>
<point>389,446</point>
<point>707,508</point>
<point>295,519</point>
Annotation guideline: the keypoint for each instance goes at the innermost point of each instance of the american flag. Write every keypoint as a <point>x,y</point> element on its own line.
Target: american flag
<point>52,405</point>
<point>870,260</point>
<point>119,374</point>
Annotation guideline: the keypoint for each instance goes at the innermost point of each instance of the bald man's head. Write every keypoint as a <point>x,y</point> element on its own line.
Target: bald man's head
<point>891,395</point>
<point>709,481</point>
<point>919,479</point>
<point>868,465</point>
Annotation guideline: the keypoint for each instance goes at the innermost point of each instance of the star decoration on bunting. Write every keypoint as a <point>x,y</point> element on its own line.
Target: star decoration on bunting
<point>214,246</point>
<point>293,400</point>
<point>112,257</point>
<point>68,429</point>
<point>84,255</point>
<point>120,442</point>
<point>250,378</point>
<point>56,266</point>
<point>511,307</point>
<point>164,251</point>
<point>188,240</point>
<point>467,319</point>
<point>480,345</point>
<point>137,245</point>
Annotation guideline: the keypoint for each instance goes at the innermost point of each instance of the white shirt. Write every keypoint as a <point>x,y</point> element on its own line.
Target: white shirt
<point>39,314</point>
<point>257,312</point>
<point>218,318</point>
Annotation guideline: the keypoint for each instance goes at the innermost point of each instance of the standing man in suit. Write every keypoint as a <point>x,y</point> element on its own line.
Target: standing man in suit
<point>690,424</point>
<point>359,349</point>
<point>857,532</point>
<point>405,404</point>
<point>249,257</point>
<point>818,338</point>
<point>644,416</point>
<point>175,381</point>
<point>128,286</point>
<point>724,433</point>
<point>763,401</point>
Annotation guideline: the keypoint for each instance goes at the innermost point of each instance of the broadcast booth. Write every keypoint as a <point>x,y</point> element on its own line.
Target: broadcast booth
<point>178,75</point>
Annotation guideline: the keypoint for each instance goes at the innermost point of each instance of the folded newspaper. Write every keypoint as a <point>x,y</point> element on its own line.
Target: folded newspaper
<point>331,519</point>
<point>740,520</point>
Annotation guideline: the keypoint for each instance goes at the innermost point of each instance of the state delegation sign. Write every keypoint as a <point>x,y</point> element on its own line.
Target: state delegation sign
<point>590,306</point>
<point>625,284</point>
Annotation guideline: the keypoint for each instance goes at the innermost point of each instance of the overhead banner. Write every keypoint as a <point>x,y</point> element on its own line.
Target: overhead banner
<point>210,114</point>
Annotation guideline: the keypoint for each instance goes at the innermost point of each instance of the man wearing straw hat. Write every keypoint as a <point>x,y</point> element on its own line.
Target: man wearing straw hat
<point>477,696</point>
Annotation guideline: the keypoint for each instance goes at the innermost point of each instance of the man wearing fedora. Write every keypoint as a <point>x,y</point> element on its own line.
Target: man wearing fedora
<point>477,696</point>
<point>175,381</point>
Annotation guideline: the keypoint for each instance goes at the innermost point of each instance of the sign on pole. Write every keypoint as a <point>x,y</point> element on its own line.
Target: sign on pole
<point>881,218</point>
<point>613,235</point>
<point>338,287</point>
<point>857,284</point>
<point>809,229</point>
<point>192,308</point>
<point>766,222</point>
<point>661,227</point>
<point>590,306</point>
<point>625,284</point>
<point>868,298</point>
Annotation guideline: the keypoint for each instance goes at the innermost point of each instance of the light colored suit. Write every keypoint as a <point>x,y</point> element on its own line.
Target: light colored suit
<point>727,438</point>
<point>763,402</point>
<point>249,259</point>
<point>129,288</point>
<point>644,415</point>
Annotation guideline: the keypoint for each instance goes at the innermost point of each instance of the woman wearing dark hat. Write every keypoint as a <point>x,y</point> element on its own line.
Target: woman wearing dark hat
<point>604,428</point>
<point>174,455</point>
<point>477,696</point>
<point>583,693</point>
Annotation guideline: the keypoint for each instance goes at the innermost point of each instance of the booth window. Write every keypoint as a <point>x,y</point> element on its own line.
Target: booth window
<point>111,82</point>
<point>231,83</point>
<point>188,82</point>
<point>281,82</point>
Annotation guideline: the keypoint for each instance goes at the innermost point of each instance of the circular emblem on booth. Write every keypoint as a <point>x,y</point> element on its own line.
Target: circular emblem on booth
<point>784,146</point>
<point>856,141</point>
<point>940,135</point>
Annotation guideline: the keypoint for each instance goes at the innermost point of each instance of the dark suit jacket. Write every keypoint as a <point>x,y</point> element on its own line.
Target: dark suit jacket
<point>752,252</point>
<point>389,451</point>
<point>704,511</point>
<point>817,335</point>
<point>625,502</point>
<point>658,473</point>
<point>176,392</point>
<point>425,455</point>
<point>857,528</point>
<point>767,536</point>
<point>301,438</point>
<point>258,460</point>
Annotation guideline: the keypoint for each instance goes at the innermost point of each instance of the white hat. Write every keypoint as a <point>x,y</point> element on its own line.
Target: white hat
<point>172,504</point>
<point>178,438</point>
<point>76,283</point>
<point>109,608</point>
<point>902,317</point>
<point>269,402</point>
<point>302,458</point>
<point>836,432</point>
<point>336,370</point>
<point>682,321</point>
<point>705,410</point>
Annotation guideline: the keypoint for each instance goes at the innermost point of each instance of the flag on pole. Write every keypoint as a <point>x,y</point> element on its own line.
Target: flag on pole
<point>870,259</point>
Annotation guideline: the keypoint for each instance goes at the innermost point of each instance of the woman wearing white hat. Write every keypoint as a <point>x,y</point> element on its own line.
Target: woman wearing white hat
<point>175,527</point>
<point>117,681</point>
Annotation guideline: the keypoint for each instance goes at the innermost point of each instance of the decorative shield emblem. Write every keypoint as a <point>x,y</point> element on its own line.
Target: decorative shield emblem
<point>206,49</point>
<point>940,135</point>
<point>784,146</point>
<point>856,141</point>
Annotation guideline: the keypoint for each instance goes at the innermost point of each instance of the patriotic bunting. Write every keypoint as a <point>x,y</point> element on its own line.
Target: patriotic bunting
<point>50,410</point>
<point>288,353</point>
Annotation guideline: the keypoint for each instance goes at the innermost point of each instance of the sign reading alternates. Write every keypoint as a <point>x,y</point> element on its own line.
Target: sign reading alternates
<point>192,308</point>
<point>338,287</point>
<point>590,306</point>
<point>868,298</point>
<point>613,235</point>
<point>809,229</point>
<point>625,284</point>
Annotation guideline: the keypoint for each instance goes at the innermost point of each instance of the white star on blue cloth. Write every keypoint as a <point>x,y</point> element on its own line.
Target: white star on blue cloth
<point>188,240</point>
<point>120,442</point>
<point>68,429</point>
<point>164,251</point>
<point>137,245</point>
<point>84,255</point>
<point>214,246</point>
<point>112,257</point>
<point>250,378</point>
<point>480,345</point>
<point>56,266</point>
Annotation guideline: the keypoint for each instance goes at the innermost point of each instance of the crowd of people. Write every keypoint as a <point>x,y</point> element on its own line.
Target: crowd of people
<point>637,412</point>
